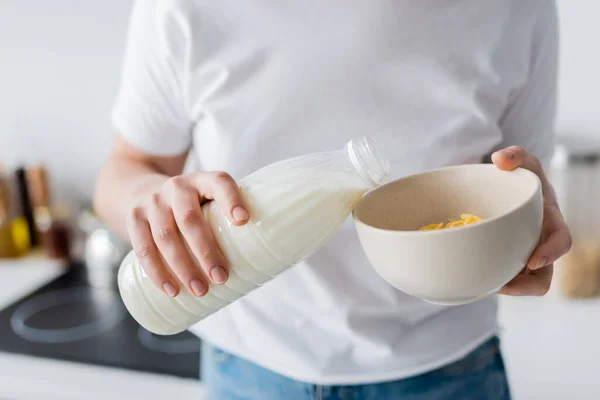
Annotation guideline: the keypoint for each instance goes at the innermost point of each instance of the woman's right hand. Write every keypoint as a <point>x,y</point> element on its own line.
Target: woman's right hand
<point>159,223</point>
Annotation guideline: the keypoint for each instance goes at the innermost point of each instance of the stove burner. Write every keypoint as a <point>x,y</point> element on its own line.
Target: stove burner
<point>105,322</point>
<point>168,346</point>
<point>68,320</point>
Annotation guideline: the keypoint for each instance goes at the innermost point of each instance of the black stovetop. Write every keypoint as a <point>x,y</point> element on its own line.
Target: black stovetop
<point>69,320</point>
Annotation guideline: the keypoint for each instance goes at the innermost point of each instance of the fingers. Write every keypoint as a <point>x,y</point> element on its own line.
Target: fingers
<point>557,239</point>
<point>557,243</point>
<point>530,284</point>
<point>148,254</point>
<point>197,233</point>
<point>165,234</point>
<point>171,220</point>
<point>514,157</point>
<point>224,190</point>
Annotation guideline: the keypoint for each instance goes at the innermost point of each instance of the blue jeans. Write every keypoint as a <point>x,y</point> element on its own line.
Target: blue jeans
<point>478,376</point>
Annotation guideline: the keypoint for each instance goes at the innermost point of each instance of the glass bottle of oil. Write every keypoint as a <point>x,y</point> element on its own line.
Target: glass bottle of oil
<point>14,235</point>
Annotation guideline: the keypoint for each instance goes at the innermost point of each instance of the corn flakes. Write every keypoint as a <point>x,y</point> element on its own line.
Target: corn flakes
<point>465,219</point>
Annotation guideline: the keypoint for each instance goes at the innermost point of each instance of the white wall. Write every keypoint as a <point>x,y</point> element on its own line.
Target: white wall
<point>59,70</point>
<point>579,108</point>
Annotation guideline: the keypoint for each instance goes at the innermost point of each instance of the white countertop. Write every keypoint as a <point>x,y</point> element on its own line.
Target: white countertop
<point>24,377</point>
<point>551,346</point>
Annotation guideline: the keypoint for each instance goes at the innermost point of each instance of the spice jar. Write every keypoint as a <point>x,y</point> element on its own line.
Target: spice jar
<point>39,195</point>
<point>39,186</point>
<point>54,226</point>
<point>576,178</point>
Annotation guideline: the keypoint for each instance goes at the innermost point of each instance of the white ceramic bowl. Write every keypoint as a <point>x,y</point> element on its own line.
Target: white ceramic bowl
<point>458,265</point>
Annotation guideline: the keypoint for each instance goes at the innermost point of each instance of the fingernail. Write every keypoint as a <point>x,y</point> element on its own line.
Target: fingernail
<point>508,154</point>
<point>218,274</point>
<point>240,214</point>
<point>169,289</point>
<point>541,263</point>
<point>198,287</point>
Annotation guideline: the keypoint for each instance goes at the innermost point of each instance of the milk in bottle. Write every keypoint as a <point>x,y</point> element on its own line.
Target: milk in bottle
<point>295,206</point>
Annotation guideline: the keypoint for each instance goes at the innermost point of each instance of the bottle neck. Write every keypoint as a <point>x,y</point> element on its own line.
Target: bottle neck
<point>372,166</point>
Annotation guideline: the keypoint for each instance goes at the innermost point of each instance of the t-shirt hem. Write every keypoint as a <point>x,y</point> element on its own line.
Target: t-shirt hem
<point>364,379</point>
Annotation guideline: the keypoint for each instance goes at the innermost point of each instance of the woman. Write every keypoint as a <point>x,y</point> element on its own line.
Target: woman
<point>236,86</point>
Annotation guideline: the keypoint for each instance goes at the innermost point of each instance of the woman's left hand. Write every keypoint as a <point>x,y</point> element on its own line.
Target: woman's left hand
<point>555,241</point>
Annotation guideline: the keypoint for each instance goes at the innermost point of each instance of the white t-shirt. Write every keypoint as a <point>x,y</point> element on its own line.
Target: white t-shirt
<point>249,83</point>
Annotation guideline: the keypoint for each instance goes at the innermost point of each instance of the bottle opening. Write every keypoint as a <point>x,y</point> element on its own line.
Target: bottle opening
<point>368,161</point>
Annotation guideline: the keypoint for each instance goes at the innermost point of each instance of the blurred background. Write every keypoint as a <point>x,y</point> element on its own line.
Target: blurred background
<point>59,71</point>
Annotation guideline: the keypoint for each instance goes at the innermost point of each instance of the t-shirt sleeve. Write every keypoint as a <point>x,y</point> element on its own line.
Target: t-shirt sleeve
<point>149,111</point>
<point>529,120</point>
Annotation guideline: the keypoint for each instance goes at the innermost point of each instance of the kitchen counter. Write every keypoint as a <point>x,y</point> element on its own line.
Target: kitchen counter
<point>40,378</point>
<point>551,349</point>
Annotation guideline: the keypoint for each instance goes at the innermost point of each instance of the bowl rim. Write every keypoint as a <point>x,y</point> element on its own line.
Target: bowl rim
<point>484,222</point>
